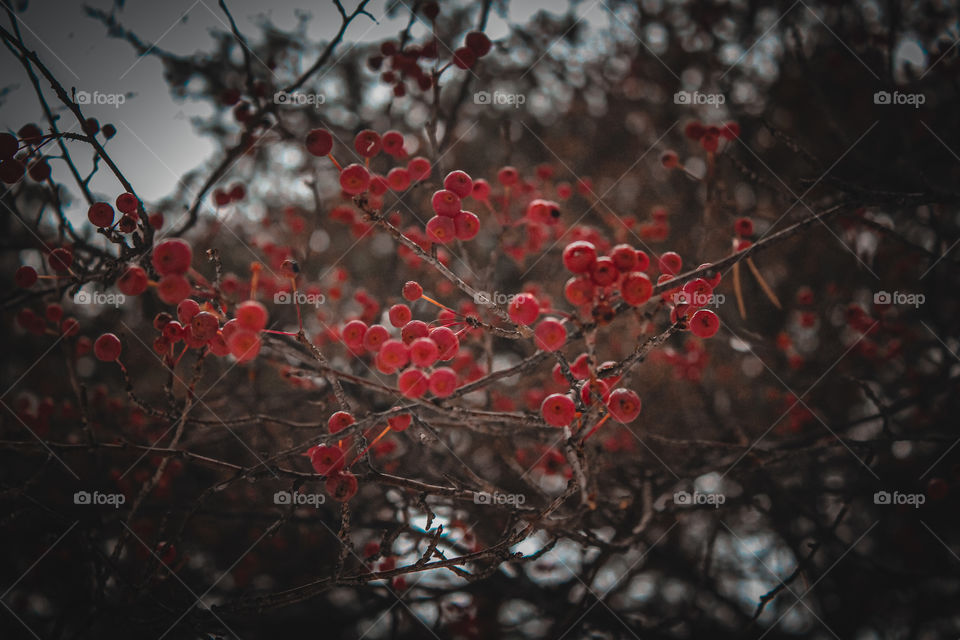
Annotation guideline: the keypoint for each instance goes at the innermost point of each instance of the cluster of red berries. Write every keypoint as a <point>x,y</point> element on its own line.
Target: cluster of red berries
<point>235,193</point>
<point>30,139</point>
<point>101,214</point>
<point>404,65</point>
<point>709,136</point>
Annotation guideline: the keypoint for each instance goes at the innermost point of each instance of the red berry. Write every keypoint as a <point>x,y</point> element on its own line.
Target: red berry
<point>375,336</point>
<point>743,227</point>
<point>173,288</point>
<point>694,130</point>
<point>11,170</point>
<point>579,256</point>
<point>204,326</point>
<point>479,43</point>
<point>319,142</point>
<point>604,271</point>
<point>550,334</point>
<point>339,421</point>
<point>441,229</point>
<point>30,133</point>
<point>508,176</point>
<point>523,308</point>
<point>424,352</point>
<point>466,225</point>
<point>419,168</point>
<point>172,256</point>
<point>398,179</point>
<point>327,459</point>
<point>624,405</point>
<point>25,277</point>
<point>133,282</point>
<point>400,315</point>
<point>730,130</point>
<point>244,345</point>
<point>446,203</point>
<point>354,179</point>
<point>412,291</point>
<point>558,410</point>
<point>401,422</point>
<point>464,57</point>
<point>8,146</point>
<point>413,330</point>
<point>443,382</point>
<point>624,257</point>
<point>186,310</point>
<point>579,290</point>
<point>127,203</point>
<point>447,342</point>
<point>352,334</point>
<point>251,315</point>
<point>393,355</point>
<point>481,190</point>
<point>107,347</point>
<point>669,159</point>
<point>643,261</point>
<point>413,383</point>
<point>393,144</point>
<point>459,183</point>
<point>636,288</point>
<point>342,486</point>
<point>704,323</point>
<point>39,170</point>
<point>670,263</point>
<point>367,143</point>
<point>60,259</point>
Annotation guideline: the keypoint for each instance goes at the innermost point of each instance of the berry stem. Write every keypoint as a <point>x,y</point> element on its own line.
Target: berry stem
<point>334,161</point>
<point>738,290</point>
<point>763,283</point>
<point>595,427</point>
<point>385,431</point>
